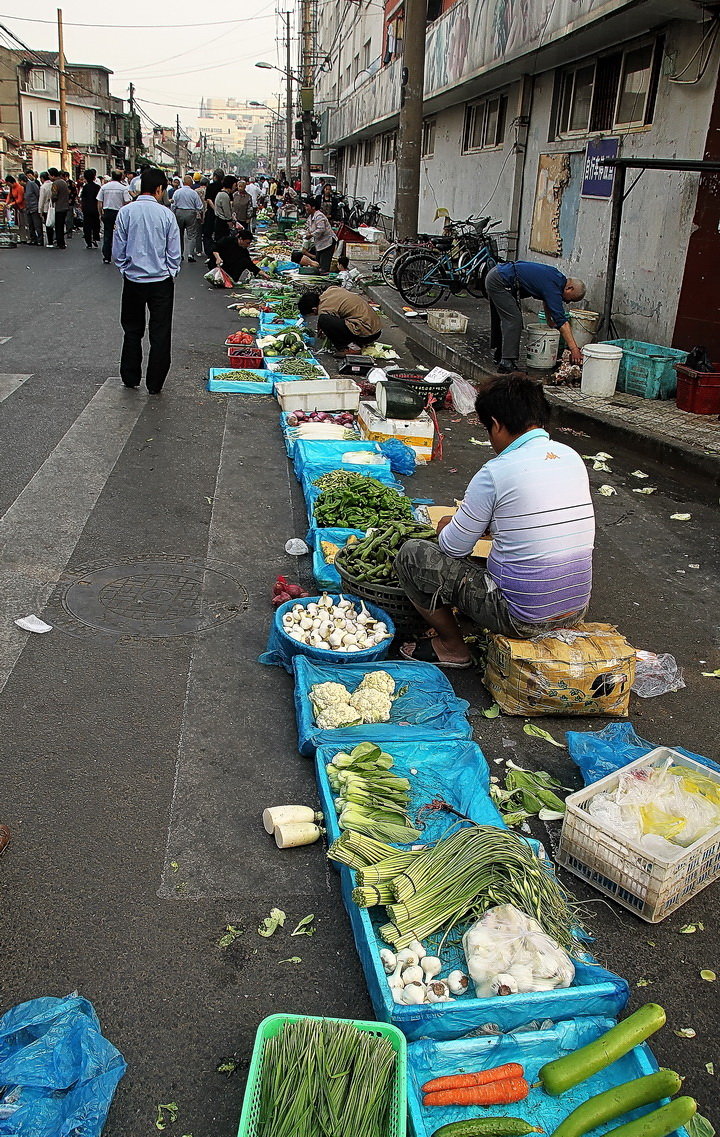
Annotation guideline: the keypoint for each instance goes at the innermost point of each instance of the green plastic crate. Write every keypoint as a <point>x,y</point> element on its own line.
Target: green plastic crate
<point>272,1025</point>
<point>647,369</point>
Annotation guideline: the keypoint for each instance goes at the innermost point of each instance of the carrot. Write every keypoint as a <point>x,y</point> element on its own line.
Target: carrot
<point>495,1093</point>
<point>481,1078</point>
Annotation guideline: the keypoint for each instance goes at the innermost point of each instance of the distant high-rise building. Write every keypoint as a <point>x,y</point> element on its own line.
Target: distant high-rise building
<point>231,125</point>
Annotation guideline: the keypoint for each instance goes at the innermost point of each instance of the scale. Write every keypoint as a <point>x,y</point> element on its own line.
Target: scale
<point>357,365</point>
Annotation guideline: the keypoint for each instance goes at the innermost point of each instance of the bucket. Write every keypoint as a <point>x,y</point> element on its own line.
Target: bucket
<point>584,325</point>
<point>601,363</point>
<point>542,346</point>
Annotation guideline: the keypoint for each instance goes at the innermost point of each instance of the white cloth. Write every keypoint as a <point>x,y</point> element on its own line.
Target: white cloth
<point>44,198</point>
<point>114,195</point>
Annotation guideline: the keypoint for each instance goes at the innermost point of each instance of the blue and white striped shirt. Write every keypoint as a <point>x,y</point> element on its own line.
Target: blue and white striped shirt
<point>534,498</point>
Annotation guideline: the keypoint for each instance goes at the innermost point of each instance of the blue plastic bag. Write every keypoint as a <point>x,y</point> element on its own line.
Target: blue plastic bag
<point>281,648</point>
<point>327,576</point>
<point>429,707</point>
<point>402,457</point>
<point>311,452</point>
<point>602,752</point>
<point>313,471</point>
<point>57,1072</point>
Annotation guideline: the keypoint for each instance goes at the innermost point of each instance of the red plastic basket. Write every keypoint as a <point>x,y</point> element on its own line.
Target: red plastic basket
<point>248,357</point>
<point>698,391</point>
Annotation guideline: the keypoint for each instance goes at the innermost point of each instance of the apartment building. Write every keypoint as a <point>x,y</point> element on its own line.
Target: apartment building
<point>232,126</point>
<point>521,99</point>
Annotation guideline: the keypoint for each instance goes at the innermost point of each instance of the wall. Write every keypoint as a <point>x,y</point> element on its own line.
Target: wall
<point>81,122</point>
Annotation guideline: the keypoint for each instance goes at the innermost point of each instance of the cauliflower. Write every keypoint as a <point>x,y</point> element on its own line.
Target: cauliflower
<point>336,715</point>
<point>372,705</point>
<point>324,695</point>
<point>378,681</point>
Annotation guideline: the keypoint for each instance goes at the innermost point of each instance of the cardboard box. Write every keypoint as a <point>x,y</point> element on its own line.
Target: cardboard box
<point>437,512</point>
<point>418,432</point>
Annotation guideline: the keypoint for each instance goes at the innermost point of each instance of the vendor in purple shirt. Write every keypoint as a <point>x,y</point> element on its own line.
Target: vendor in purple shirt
<point>507,284</point>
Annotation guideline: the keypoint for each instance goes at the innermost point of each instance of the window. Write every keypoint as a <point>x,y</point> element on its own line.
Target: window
<point>53,117</point>
<point>428,138</point>
<point>369,152</point>
<point>614,92</point>
<point>37,80</point>
<point>388,147</point>
<point>484,126</point>
<point>393,35</point>
<point>356,67</point>
<point>348,76</point>
<point>366,55</point>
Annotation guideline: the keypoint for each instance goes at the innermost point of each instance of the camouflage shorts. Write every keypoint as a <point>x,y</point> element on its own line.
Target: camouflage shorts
<point>431,578</point>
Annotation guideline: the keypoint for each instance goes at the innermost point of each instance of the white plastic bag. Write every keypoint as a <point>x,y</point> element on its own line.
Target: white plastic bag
<point>508,953</point>
<point>656,675</point>
<point>463,395</point>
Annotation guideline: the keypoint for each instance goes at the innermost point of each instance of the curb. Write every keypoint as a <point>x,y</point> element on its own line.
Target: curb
<point>431,349</point>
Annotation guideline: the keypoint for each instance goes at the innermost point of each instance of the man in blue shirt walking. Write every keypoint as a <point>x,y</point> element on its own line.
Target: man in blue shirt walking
<point>146,249</point>
<point>508,284</point>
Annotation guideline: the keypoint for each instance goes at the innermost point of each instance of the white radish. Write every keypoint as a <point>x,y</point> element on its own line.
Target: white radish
<point>291,835</point>
<point>279,814</point>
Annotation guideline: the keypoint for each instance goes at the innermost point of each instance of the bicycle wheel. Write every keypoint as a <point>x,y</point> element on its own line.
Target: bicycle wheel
<point>417,280</point>
<point>387,264</point>
<point>475,283</point>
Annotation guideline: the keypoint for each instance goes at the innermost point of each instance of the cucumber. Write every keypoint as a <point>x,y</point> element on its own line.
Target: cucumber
<point>660,1122</point>
<point>614,1103</point>
<point>487,1127</point>
<point>564,1073</point>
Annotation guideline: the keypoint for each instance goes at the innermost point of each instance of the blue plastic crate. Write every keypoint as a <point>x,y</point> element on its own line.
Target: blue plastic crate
<point>429,1059</point>
<point>647,369</point>
<point>232,387</point>
<point>595,991</point>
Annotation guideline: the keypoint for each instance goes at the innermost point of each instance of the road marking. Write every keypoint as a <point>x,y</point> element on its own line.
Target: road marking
<point>10,383</point>
<point>40,530</point>
<point>232,705</point>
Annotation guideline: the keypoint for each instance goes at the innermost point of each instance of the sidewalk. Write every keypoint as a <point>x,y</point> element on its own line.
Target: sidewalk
<point>650,426</point>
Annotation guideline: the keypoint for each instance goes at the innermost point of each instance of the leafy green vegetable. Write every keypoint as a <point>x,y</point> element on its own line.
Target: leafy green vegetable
<point>292,959</point>
<point>538,732</point>
<point>305,928</point>
<point>231,934</point>
<point>699,1126</point>
<point>492,712</point>
<point>166,1114</point>
<point>271,923</point>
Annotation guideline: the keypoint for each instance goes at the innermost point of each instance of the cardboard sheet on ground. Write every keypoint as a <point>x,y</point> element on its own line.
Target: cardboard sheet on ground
<point>435,512</point>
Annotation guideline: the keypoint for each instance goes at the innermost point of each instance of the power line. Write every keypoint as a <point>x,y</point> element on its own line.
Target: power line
<point>168,58</point>
<point>120,27</point>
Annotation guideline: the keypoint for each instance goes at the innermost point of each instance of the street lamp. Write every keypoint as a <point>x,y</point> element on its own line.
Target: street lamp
<point>289,76</point>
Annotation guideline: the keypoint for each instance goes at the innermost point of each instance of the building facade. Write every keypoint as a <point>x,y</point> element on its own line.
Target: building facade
<point>522,97</point>
<point>232,126</point>
<point>30,110</point>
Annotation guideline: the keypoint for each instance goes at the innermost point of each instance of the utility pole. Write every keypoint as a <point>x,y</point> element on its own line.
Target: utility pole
<point>289,100</point>
<point>64,152</point>
<point>177,143</point>
<point>131,147</point>
<point>407,193</point>
<point>307,92</point>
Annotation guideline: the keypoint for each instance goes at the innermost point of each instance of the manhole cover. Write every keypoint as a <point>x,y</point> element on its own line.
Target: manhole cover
<point>153,596</point>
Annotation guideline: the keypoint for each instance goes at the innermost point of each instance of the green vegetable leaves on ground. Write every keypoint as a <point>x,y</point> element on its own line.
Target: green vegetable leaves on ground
<point>492,712</point>
<point>538,732</point>
<point>230,935</point>
<point>688,929</point>
<point>292,959</point>
<point>166,1115</point>
<point>305,927</point>
<point>271,923</point>
<point>699,1126</point>
<point>527,792</point>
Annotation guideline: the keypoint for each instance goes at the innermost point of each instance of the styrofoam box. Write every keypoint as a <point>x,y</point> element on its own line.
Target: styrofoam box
<point>370,251</point>
<point>419,433</point>
<point>318,395</point>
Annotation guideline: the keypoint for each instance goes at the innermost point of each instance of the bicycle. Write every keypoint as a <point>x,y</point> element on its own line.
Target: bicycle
<point>425,278</point>
<point>397,250</point>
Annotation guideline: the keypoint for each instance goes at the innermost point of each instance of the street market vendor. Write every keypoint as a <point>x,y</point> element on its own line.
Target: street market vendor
<point>320,236</point>
<point>232,254</point>
<point>507,284</point>
<point>344,317</point>
<point>534,499</point>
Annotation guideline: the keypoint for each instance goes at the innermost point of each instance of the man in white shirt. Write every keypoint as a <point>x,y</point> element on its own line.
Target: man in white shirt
<point>45,201</point>
<point>112,197</point>
<point>187,205</point>
<point>146,249</point>
<point>254,190</point>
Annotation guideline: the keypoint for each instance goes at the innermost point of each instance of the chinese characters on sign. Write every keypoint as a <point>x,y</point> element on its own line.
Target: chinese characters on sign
<point>597,179</point>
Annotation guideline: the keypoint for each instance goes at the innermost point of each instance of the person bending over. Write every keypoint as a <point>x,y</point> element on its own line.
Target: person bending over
<point>507,284</point>
<point>534,499</point>
<point>344,317</point>
<point>232,254</point>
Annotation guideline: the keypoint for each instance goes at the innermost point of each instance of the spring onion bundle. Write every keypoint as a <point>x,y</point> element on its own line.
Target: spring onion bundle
<point>463,875</point>
<point>318,1073</point>
<point>371,799</point>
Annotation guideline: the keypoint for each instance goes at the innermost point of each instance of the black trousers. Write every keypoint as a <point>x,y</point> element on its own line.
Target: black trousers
<point>222,229</point>
<point>157,297</point>
<point>109,218</point>
<point>324,258</point>
<point>91,227</point>
<point>338,332</point>
<point>60,219</point>
<point>35,225</point>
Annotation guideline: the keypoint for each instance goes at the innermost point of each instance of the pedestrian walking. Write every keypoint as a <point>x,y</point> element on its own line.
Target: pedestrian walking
<point>208,228</point>
<point>201,189</point>
<point>507,285</point>
<point>223,209</point>
<point>45,206</point>
<point>254,190</point>
<point>71,220</point>
<point>146,250</point>
<point>187,205</point>
<point>60,196</point>
<point>91,216</point>
<point>32,209</point>
<point>110,200</point>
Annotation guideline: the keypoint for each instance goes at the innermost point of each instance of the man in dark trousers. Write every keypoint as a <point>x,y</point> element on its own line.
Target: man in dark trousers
<point>507,284</point>
<point>146,249</point>
<point>61,200</point>
<point>91,217</point>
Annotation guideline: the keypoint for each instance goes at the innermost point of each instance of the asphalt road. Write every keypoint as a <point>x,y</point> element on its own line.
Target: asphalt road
<point>138,753</point>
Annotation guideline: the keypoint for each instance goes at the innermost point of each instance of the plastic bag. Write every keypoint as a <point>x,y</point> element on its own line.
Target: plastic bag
<point>463,395</point>
<point>402,457</point>
<point>602,752</point>
<point>296,548</point>
<point>57,1072</point>
<point>656,675</point>
<point>508,953</point>
<point>326,575</point>
<point>218,278</point>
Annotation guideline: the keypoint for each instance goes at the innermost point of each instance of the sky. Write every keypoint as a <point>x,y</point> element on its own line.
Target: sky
<point>172,67</point>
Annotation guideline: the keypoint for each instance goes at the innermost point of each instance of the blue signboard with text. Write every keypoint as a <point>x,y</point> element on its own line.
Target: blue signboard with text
<point>598,179</point>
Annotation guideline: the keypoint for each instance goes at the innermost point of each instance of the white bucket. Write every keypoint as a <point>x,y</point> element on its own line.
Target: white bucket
<point>542,346</point>
<point>584,325</point>
<point>601,363</point>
